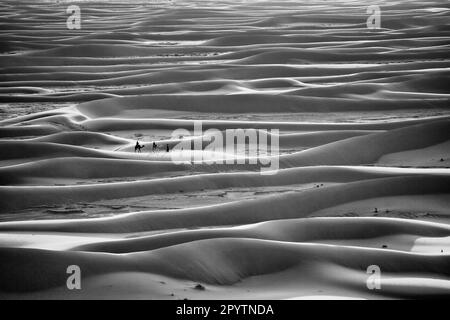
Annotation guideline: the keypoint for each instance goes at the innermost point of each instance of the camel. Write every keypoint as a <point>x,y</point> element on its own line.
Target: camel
<point>138,147</point>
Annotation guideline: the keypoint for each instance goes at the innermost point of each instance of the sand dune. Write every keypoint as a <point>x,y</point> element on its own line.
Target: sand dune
<point>364,150</point>
<point>370,148</point>
<point>290,205</point>
<point>238,259</point>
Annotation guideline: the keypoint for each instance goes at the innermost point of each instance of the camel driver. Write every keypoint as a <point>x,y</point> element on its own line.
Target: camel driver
<point>138,147</point>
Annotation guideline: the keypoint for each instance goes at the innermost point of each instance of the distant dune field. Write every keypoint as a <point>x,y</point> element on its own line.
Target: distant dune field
<point>363,123</point>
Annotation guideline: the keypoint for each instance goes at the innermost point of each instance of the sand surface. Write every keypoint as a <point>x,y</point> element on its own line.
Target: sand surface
<point>364,135</point>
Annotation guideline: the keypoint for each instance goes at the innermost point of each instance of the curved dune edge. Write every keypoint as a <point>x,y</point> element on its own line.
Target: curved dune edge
<point>284,206</point>
<point>234,260</point>
<point>19,197</point>
<point>324,230</point>
<point>364,148</point>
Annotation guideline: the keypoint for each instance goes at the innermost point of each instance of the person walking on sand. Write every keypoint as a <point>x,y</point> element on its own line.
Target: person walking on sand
<point>167,148</point>
<point>154,145</point>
